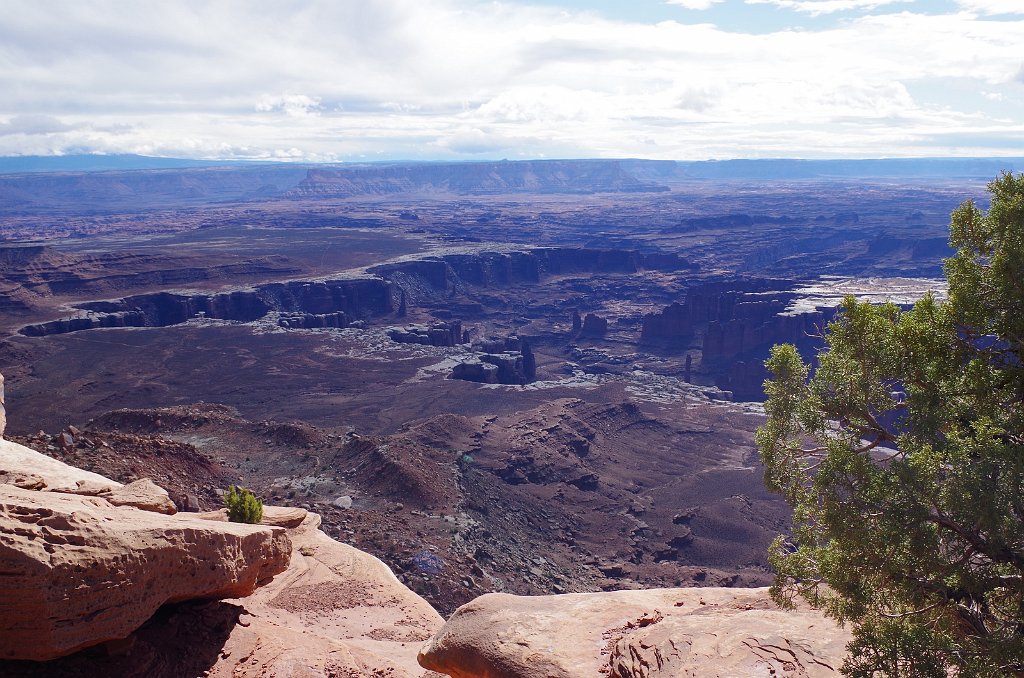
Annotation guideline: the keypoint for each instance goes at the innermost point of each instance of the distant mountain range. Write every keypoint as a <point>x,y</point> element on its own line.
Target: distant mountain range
<point>93,163</point>
<point>781,168</point>
<point>106,184</point>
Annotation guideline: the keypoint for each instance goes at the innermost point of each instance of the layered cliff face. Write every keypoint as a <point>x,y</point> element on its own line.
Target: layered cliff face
<point>508,268</point>
<point>355,297</point>
<point>735,324</point>
<point>753,300</point>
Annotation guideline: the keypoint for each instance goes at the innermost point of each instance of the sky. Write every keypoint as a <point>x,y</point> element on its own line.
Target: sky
<point>376,80</point>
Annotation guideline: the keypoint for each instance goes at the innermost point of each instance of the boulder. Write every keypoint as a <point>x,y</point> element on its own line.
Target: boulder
<point>635,634</point>
<point>79,571</point>
<point>142,494</point>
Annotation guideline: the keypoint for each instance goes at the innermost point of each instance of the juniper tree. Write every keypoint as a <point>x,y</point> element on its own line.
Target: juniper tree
<point>902,456</point>
<point>243,506</point>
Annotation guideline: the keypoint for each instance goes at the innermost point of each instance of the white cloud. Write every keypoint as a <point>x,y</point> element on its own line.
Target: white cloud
<point>295,105</point>
<point>819,7</point>
<point>693,4</point>
<point>455,78</point>
<point>993,6</point>
<point>33,124</point>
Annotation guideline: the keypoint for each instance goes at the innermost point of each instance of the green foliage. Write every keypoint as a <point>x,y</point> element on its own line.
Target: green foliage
<point>243,506</point>
<point>903,459</point>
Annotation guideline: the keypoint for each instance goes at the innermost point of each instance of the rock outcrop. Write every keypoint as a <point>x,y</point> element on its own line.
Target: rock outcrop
<point>310,321</point>
<point>79,571</point>
<point>46,473</point>
<point>336,611</point>
<point>436,334</point>
<point>735,324</point>
<point>88,560</point>
<point>3,410</point>
<point>498,361</point>
<point>508,268</point>
<point>594,326</point>
<point>703,632</point>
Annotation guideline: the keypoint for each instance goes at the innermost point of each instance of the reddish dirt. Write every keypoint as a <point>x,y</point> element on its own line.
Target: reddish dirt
<point>566,496</point>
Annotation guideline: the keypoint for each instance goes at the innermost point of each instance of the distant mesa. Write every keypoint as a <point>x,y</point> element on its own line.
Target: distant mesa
<point>531,176</point>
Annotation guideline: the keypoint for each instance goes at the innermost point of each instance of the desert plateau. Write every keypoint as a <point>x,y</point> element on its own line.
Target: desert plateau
<point>519,339</point>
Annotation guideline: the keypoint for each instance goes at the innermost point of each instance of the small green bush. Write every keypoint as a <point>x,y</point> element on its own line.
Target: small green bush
<point>243,506</point>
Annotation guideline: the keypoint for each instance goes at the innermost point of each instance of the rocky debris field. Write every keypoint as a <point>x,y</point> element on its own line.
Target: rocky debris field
<point>569,496</point>
<point>96,588</point>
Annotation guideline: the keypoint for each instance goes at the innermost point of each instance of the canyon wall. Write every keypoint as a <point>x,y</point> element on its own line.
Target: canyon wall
<point>735,324</point>
<point>356,297</point>
<point>500,269</point>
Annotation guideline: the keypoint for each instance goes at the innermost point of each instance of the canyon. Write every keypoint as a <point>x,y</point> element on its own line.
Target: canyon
<point>530,378</point>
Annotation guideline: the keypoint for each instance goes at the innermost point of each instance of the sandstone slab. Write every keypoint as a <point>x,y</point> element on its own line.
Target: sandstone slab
<point>336,611</point>
<point>707,632</point>
<point>273,516</point>
<point>79,571</point>
<point>56,475</point>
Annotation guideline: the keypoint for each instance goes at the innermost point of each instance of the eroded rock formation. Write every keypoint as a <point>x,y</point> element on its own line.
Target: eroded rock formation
<point>352,297</point>
<point>309,321</point>
<point>435,334</point>
<point>735,324</point>
<point>704,632</point>
<point>594,326</point>
<point>335,611</point>
<point>499,361</point>
<point>80,570</point>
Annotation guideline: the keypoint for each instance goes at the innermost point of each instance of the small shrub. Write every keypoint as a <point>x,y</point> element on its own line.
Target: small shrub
<point>243,506</point>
